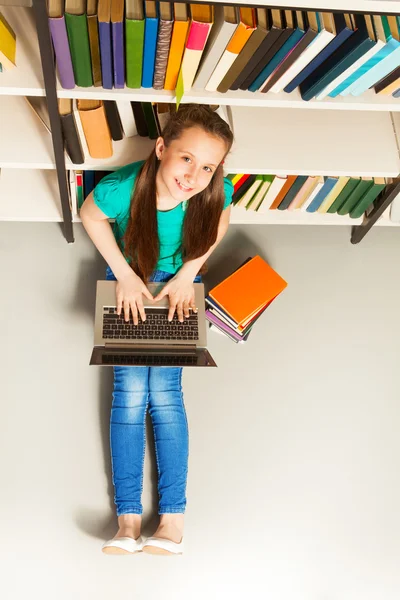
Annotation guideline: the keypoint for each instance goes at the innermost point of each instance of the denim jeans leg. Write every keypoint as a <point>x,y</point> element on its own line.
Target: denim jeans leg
<point>128,436</point>
<point>171,437</point>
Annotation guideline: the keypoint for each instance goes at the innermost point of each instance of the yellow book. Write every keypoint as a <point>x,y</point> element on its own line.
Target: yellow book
<point>334,193</point>
<point>8,45</point>
<point>178,39</point>
<point>237,178</point>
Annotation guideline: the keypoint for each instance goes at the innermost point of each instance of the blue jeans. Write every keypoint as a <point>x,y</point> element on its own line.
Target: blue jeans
<point>158,389</point>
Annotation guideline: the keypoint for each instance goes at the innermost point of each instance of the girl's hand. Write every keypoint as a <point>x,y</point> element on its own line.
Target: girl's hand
<point>130,290</point>
<point>181,297</point>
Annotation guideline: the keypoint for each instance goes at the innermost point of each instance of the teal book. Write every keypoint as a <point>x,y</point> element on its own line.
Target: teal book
<point>294,189</point>
<point>371,195</point>
<point>329,183</point>
<point>363,186</point>
<point>344,194</point>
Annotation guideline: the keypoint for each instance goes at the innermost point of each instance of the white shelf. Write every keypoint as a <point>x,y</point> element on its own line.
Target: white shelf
<point>25,143</point>
<point>372,6</point>
<point>31,195</point>
<point>26,79</point>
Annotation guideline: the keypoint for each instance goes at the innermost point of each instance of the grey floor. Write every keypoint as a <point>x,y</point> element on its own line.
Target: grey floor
<point>294,470</point>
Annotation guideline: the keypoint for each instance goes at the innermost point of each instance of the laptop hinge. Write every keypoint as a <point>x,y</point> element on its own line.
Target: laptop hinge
<point>161,347</point>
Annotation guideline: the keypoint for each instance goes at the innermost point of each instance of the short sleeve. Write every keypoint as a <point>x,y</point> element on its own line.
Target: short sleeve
<point>228,189</point>
<point>108,197</point>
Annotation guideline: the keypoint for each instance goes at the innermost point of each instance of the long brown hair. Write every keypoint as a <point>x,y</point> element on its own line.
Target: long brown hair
<point>203,212</point>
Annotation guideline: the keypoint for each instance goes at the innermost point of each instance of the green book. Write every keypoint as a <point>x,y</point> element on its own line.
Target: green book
<point>134,39</point>
<point>78,38</point>
<point>344,194</point>
<point>368,198</point>
<point>363,186</point>
<point>150,119</point>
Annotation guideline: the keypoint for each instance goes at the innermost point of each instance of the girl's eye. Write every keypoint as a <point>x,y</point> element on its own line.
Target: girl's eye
<point>186,159</point>
<point>208,169</point>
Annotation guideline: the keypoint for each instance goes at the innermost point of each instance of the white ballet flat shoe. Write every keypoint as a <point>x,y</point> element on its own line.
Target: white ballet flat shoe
<point>155,545</point>
<point>123,545</point>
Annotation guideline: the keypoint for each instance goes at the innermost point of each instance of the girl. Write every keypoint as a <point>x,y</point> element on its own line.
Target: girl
<point>170,212</point>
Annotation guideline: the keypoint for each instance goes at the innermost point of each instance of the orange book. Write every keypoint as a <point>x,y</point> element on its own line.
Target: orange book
<point>244,293</point>
<point>95,127</point>
<point>290,181</point>
<point>178,39</point>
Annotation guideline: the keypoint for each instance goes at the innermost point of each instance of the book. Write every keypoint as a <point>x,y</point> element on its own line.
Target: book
<point>389,84</point>
<point>395,209</point>
<point>78,38</point>
<point>307,23</point>
<point>333,194</point>
<point>293,191</point>
<point>134,40</point>
<point>226,19</point>
<point>58,31</point>
<point>241,35</point>
<point>380,70</point>
<point>79,196</point>
<point>341,29</point>
<point>140,121</point>
<point>303,193</point>
<point>274,189</point>
<point>118,43</point>
<point>329,183</point>
<point>396,94</point>
<point>224,328</point>
<point>353,199</point>
<point>249,193</point>
<point>163,43</point>
<point>369,197</point>
<point>344,194</point>
<point>79,129</point>
<point>113,120</point>
<point>243,188</point>
<point>389,193</point>
<point>309,199</point>
<point>126,117</point>
<point>278,34</point>
<point>38,104</point>
<point>95,128</point>
<point>152,128</point>
<point>88,182</point>
<point>8,45</point>
<point>259,195</point>
<point>282,193</point>
<point>262,285</point>
<point>150,42</point>
<point>199,29</point>
<point>283,52</point>
<point>322,24</point>
<point>73,144</point>
<point>104,19</point>
<point>351,50</point>
<point>72,193</point>
<point>94,44</point>
<point>178,38</point>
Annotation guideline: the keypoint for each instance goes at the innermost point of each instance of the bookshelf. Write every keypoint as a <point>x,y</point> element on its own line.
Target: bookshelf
<point>358,137</point>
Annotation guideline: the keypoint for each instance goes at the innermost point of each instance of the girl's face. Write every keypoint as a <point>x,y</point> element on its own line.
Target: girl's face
<point>188,163</point>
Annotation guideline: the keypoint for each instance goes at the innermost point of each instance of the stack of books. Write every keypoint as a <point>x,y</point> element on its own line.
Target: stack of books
<point>8,45</point>
<point>236,303</point>
<point>113,43</point>
<point>351,196</point>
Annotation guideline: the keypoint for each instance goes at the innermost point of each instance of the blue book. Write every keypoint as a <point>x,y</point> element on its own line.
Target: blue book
<point>385,67</point>
<point>150,43</point>
<point>106,54</point>
<point>396,94</point>
<point>329,183</point>
<point>277,59</point>
<point>88,182</point>
<point>342,33</point>
<point>292,192</point>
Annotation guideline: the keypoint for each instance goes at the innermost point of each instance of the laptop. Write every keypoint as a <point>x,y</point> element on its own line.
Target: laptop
<point>154,342</point>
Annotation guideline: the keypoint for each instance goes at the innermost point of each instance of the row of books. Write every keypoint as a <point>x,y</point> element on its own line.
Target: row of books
<point>343,195</point>
<point>8,45</point>
<point>112,43</point>
<point>235,304</point>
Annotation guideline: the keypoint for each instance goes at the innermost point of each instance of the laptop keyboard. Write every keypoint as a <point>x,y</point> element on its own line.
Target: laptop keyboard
<point>156,326</point>
<point>147,360</point>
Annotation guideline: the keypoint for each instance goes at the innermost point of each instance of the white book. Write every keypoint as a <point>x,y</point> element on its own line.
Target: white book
<point>317,45</point>
<point>79,129</point>
<point>226,19</point>
<point>395,210</point>
<point>272,193</point>
<point>72,192</point>
<point>350,70</point>
<point>259,196</point>
<point>224,64</point>
<point>127,118</point>
<point>250,193</point>
<point>311,197</point>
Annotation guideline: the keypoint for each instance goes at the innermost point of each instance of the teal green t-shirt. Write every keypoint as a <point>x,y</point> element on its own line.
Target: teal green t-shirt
<point>113,196</point>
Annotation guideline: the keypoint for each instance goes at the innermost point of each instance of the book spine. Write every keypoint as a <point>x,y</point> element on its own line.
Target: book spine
<point>118,54</point>
<point>106,54</point>
<point>149,52</point>
<point>59,36</point>
<point>113,120</point>
<point>163,44</point>
<point>72,142</point>
<point>176,51</point>
<point>78,37</point>
<point>93,31</point>
<point>134,39</point>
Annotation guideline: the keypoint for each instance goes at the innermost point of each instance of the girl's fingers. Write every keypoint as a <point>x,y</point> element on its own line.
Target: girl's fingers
<point>134,313</point>
<point>171,311</point>
<point>179,311</point>
<point>119,304</point>
<point>141,310</point>
<point>126,310</point>
<point>192,304</point>
<point>186,308</point>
